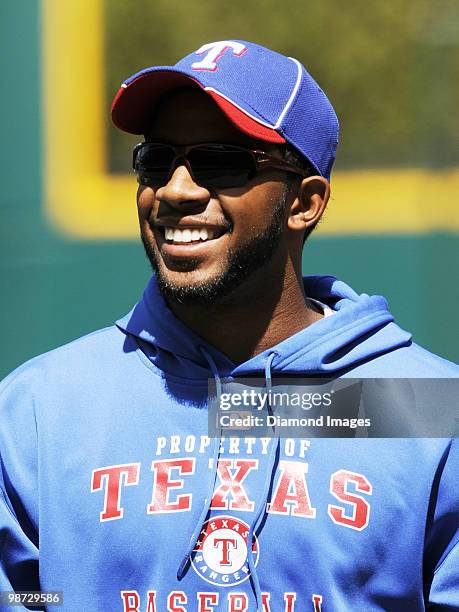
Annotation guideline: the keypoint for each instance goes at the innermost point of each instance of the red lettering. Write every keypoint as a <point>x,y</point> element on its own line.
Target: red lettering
<point>112,476</point>
<point>289,599</point>
<point>225,548</point>
<point>265,597</point>
<point>232,483</point>
<point>360,507</point>
<point>238,602</point>
<point>163,484</point>
<point>131,601</point>
<point>151,605</point>
<point>207,599</point>
<point>174,600</point>
<point>292,489</point>
<point>317,601</point>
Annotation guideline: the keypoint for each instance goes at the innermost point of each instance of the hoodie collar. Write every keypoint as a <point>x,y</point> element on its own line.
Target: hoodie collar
<point>361,328</point>
<point>152,321</point>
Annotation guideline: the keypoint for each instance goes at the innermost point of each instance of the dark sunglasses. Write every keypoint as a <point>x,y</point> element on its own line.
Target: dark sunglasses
<point>211,165</point>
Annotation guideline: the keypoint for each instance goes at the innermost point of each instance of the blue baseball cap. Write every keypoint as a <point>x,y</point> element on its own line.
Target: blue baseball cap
<point>266,95</point>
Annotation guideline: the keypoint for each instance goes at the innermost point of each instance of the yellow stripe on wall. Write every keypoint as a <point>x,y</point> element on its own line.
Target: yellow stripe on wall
<point>83,201</point>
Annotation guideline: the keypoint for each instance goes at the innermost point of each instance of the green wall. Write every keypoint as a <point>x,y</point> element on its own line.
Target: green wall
<point>54,289</point>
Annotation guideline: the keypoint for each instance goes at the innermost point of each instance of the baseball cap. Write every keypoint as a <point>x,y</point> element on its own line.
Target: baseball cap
<point>267,95</point>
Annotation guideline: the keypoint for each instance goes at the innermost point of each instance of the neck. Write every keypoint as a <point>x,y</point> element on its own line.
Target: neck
<point>256,317</point>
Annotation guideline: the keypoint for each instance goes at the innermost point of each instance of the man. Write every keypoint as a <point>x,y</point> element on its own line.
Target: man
<point>112,492</point>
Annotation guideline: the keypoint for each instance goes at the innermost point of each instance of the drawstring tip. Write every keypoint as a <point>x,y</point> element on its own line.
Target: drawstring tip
<point>182,567</point>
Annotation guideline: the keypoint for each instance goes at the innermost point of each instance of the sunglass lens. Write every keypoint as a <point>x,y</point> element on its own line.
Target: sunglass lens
<point>221,166</point>
<point>152,163</point>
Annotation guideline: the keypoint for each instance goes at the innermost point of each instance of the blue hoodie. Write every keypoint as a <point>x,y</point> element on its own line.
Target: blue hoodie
<point>111,491</point>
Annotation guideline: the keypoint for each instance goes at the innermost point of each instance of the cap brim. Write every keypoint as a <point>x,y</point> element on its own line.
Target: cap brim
<point>133,106</point>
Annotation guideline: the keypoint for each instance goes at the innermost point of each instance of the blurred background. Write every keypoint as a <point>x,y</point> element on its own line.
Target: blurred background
<point>71,260</point>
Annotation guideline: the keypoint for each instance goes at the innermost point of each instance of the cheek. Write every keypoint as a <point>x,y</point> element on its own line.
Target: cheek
<point>254,209</point>
<point>145,201</point>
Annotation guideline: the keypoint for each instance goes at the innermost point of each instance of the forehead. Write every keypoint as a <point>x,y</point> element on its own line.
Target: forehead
<point>188,116</point>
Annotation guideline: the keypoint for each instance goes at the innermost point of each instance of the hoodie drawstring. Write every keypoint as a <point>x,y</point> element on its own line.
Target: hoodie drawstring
<point>269,471</point>
<point>213,475</point>
<point>211,485</point>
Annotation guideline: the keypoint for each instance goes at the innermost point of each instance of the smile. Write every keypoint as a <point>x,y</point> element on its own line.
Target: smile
<point>174,235</point>
<point>188,234</point>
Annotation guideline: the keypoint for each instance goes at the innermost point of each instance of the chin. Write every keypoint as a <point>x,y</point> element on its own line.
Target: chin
<point>196,289</point>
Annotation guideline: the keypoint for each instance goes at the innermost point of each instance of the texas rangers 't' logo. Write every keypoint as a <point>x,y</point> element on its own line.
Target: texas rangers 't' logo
<point>214,51</point>
<point>220,554</point>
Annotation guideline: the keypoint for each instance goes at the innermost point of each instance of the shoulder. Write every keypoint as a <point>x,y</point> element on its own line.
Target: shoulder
<point>436,366</point>
<point>73,360</point>
<point>411,361</point>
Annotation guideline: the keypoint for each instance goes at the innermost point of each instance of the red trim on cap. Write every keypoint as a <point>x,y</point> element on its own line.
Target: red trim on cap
<point>132,106</point>
<point>244,122</point>
<point>118,94</point>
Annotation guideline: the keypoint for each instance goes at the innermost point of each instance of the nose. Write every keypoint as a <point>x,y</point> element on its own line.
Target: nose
<point>181,190</point>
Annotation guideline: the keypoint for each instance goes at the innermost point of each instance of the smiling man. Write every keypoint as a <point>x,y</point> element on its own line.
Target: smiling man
<point>113,492</point>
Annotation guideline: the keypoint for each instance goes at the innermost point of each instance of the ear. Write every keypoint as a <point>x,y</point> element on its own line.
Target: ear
<point>309,205</point>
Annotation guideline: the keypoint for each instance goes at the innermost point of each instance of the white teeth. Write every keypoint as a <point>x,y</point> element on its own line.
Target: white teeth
<point>188,235</point>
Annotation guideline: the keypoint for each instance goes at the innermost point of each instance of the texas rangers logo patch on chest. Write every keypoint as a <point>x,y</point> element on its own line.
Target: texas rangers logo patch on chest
<point>220,556</point>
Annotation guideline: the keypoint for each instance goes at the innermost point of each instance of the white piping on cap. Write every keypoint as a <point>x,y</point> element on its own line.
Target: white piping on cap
<point>293,94</point>
<point>272,127</point>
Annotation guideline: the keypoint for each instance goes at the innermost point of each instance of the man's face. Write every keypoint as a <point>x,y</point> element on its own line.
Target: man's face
<point>244,225</point>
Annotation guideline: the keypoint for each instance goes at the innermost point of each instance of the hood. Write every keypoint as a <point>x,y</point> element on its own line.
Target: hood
<point>360,329</point>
